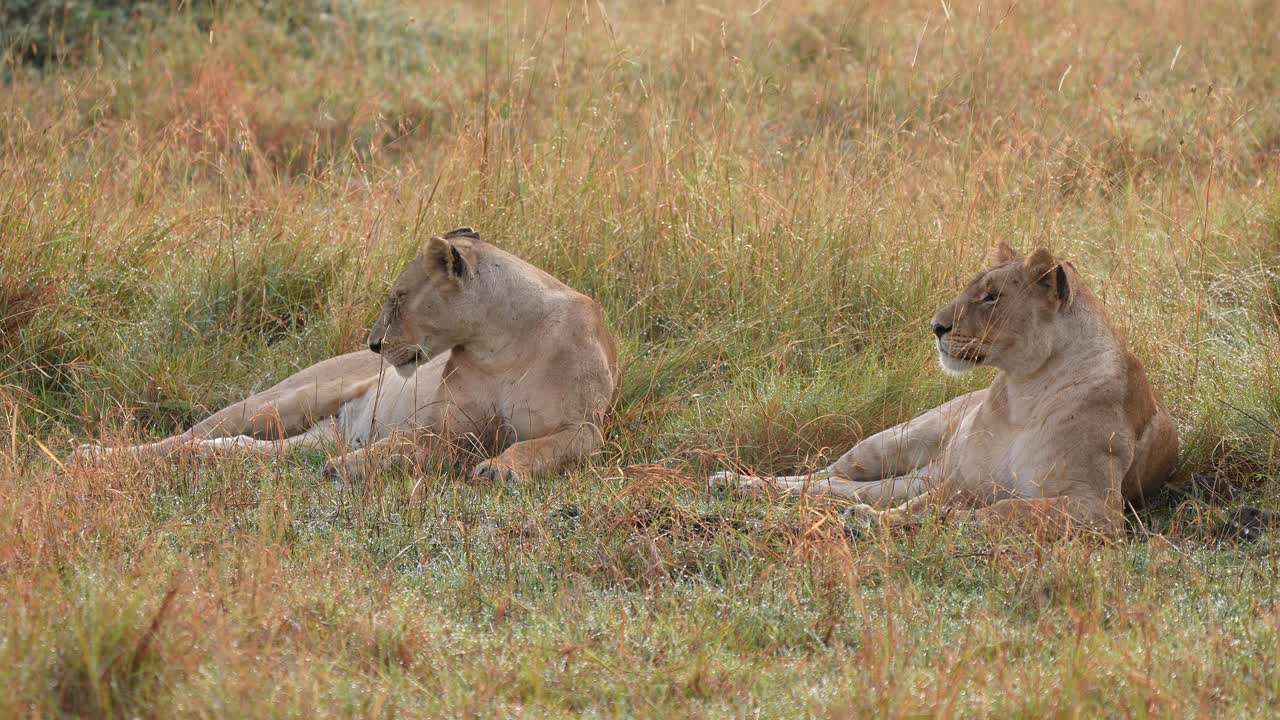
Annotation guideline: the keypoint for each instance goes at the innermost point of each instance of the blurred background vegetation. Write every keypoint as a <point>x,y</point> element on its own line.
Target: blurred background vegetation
<point>769,205</point>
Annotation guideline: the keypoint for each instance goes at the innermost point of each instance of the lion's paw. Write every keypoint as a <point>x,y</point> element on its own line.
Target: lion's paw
<point>724,482</point>
<point>861,518</point>
<point>87,453</point>
<point>496,472</point>
<point>343,473</point>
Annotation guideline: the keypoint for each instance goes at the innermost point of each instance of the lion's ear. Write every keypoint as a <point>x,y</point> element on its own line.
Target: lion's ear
<point>444,258</point>
<point>1049,274</point>
<point>1002,253</point>
<point>466,232</point>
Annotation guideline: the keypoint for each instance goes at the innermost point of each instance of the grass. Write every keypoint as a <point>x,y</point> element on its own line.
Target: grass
<point>769,204</point>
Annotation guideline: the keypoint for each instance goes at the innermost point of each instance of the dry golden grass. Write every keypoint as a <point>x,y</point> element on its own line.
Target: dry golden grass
<point>770,201</point>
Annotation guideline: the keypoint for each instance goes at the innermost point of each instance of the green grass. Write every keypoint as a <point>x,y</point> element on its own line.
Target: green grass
<point>769,205</point>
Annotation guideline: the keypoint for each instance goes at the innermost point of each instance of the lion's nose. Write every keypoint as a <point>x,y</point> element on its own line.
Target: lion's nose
<point>375,345</point>
<point>939,329</point>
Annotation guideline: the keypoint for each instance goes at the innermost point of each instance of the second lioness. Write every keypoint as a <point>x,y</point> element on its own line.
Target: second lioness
<point>477,348</point>
<point>1069,429</point>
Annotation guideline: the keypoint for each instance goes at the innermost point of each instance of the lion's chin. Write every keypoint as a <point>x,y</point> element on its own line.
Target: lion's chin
<point>407,368</point>
<point>953,365</point>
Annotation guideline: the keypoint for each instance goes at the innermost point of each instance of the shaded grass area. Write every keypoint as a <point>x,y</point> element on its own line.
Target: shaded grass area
<point>769,206</point>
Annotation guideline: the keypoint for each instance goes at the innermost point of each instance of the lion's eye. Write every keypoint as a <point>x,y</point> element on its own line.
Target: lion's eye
<point>396,302</point>
<point>990,298</point>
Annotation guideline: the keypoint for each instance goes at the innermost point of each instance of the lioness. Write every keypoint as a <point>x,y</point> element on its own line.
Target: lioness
<point>481,347</point>
<point>1068,430</point>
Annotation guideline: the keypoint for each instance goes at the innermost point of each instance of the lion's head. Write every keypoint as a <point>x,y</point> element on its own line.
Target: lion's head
<point>432,306</point>
<point>1006,317</point>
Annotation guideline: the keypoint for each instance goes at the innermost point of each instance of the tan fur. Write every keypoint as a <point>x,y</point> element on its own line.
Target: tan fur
<point>1068,430</point>
<point>479,350</point>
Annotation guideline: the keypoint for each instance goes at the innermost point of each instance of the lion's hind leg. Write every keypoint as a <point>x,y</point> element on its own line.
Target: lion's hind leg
<point>823,483</point>
<point>282,414</point>
<point>257,417</point>
<point>317,437</point>
<point>93,452</point>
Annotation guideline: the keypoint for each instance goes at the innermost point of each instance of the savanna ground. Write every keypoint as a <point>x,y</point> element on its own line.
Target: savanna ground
<point>769,201</point>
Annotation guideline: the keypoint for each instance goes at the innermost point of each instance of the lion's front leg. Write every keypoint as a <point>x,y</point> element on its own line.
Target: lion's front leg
<point>904,448</point>
<point>1054,515</point>
<point>405,450</point>
<point>943,496</point>
<point>545,454</point>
